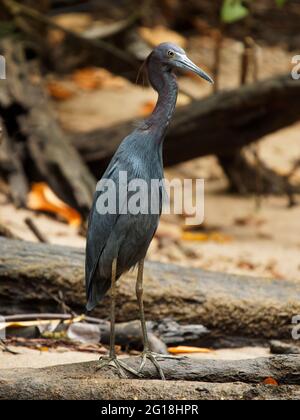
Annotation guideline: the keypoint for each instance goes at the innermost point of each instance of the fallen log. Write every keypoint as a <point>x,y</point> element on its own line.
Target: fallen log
<point>216,125</point>
<point>279,347</point>
<point>205,379</point>
<point>39,147</point>
<point>32,275</point>
<point>128,335</point>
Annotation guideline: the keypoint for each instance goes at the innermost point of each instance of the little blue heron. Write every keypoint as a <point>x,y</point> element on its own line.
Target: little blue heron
<point>117,241</point>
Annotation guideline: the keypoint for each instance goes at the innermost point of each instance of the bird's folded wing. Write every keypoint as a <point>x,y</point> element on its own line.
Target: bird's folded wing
<point>100,227</point>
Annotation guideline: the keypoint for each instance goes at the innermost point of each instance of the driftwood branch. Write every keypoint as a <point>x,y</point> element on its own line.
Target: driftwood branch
<point>187,379</point>
<point>216,125</point>
<point>31,274</point>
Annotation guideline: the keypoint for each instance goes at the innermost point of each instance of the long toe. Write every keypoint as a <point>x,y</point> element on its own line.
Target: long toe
<point>153,358</point>
<point>114,363</point>
<point>129,369</point>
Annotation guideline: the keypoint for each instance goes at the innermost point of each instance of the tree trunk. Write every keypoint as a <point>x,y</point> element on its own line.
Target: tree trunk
<point>32,276</point>
<point>187,379</point>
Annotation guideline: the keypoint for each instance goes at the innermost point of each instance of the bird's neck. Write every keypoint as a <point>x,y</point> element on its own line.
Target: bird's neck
<point>164,82</point>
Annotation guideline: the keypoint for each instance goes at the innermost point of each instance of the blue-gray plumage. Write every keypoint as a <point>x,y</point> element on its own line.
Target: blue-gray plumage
<point>125,238</point>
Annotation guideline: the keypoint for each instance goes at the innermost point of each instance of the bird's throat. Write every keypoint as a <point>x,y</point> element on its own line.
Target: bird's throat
<point>166,85</point>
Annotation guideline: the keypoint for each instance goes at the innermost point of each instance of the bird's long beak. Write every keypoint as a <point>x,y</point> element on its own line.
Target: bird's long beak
<point>185,63</point>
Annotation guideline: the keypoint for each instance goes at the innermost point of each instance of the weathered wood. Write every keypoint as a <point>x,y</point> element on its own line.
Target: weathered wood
<point>128,334</point>
<point>215,125</point>
<point>31,123</point>
<point>32,274</point>
<point>279,347</point>
<point>236,380</point>
<point>11,165</point>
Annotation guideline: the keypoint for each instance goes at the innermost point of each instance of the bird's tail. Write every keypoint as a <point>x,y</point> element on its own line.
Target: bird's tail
<point>97,292</point>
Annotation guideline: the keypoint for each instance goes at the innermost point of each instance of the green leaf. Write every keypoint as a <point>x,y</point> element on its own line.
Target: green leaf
<point>233,10</point>
<point>280,3</point>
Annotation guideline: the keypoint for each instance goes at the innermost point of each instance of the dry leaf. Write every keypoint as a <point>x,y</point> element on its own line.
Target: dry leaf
<point>40,322</point>
<point>205,237</point>
<point>270,381</point>
<point>58,91</point>
<point>187,349</point>
<point>42,198</point>
<point>91,78</point>
<point>43,348</point>
<point>159,34</point>
<point>247,265</point>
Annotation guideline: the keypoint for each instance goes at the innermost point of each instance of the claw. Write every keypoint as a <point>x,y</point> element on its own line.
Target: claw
<point>112,362</point>
<point>128,368</point>
<point>116,364</point>
<point>153,358</point>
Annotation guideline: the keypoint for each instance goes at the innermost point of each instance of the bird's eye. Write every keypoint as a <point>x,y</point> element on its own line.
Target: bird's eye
<point>171,53</point>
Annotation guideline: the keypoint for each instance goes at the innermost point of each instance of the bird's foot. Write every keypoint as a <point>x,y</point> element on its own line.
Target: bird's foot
<point>118,365</point>
<point>147,354</point>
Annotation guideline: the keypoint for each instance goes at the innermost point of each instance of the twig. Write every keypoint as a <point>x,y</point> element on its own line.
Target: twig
<point>7,349</point>
<point>218,37</point>
<point>35,230</point>
<point>59,299</point>
<point>49,316</point>
<point>245,61</point>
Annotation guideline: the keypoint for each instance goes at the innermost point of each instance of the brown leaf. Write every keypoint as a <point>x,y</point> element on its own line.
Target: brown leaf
<point>247,265</point>
<point>58,91</point>
<point>42,198</point>
<point>270,381</point>
<point>187,349</point>
<point>205,237</point>
<point>91,78</point>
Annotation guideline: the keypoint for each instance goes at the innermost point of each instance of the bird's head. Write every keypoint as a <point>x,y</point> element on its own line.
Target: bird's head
<point>173,57</point>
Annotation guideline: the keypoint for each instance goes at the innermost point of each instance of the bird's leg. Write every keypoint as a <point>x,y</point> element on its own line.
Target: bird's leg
<point>147,353</point>
<point>112,350</point>
<point>112,360</point>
